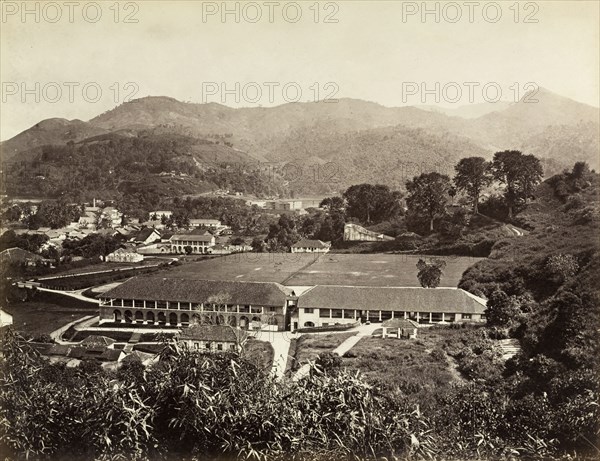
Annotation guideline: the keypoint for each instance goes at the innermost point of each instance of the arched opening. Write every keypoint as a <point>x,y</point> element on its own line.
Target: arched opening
<point>273,320</point>
<point>232,321</point>
<point>150,317</point>
<point>117,315</point>
<point>185,319</point>
<point>173,318</point>
<point>206,320</point>
<point>139,317</point>
<point>128,316</point>
<point>162,318</point>
<point>220,320</point>
<point>244,322</point>
<point>309,324</point>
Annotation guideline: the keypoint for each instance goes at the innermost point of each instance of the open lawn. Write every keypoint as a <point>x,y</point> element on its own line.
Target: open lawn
<point>414,368</point>
<point>37,317</point>
<point>421,368</point>
<point>299,269</point>
<point>249,267</point>
<point>309,346</point>
<point>375,270</point>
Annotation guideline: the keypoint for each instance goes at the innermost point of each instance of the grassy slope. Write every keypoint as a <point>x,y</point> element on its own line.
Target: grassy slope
<point>555,229</point>
<point>38,317</point>
<point>310,346</point>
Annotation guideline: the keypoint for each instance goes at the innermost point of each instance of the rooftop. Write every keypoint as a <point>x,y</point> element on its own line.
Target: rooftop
<point>213,333</point>
<point>199,291</point>
<point>205,221</point>
<point>15,254</point>
<point>192,237</point>
<point>400,323</point>
<point>145,234</point>
<point>306,243</point>
<point>409,299</point>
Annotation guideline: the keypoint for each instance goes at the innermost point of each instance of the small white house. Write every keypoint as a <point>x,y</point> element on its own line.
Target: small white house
<point>310,246</point>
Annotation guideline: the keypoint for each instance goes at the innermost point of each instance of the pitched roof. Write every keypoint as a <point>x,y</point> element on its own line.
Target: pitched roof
<point>213,333</point>
<point>145,234</point>
<point>409,299</point>
<point>193,237</point>
<point>15,254</point>
<point>306,243</point>
<point>198,291</point>
<point>400,323</point>
<point>97,340</point>
<point>205,221</point>
<point>127,250</point>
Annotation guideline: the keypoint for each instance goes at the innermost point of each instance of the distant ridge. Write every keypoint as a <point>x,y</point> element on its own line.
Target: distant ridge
<point>351,141</point>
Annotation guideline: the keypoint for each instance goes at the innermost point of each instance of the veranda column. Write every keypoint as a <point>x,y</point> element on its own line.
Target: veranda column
<point>430,318</point>
<point>443,317</point>
<point>380,316</point>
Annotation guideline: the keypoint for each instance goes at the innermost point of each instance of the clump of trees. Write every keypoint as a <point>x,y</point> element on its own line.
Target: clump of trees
<point>430,193</point>
<point>91,246</point>
<point>519,173</point>
<point>473,175</point>
<point>371,203</point>
<point>428,196</point>
<point>430,274</point>
<point>28,242</point>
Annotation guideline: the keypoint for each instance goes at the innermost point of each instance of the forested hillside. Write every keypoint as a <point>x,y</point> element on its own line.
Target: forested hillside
<point>141,170</point>
<point>331,145</point>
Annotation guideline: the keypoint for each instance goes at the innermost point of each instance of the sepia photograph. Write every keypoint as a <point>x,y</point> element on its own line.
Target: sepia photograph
<point>360,230</point>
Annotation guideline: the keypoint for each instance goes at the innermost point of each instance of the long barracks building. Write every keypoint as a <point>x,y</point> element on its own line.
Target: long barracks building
<point>161,301</point>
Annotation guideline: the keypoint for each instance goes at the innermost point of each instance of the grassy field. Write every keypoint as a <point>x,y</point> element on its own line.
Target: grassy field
<point>253,267</point>
<point>375,270</point>
<point>412,368</point>
<point>310,346</point>
<point>330,269</point>
<point>37,317</point>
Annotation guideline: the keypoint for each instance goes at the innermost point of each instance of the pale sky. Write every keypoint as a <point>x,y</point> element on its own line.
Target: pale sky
<point>369,53</point>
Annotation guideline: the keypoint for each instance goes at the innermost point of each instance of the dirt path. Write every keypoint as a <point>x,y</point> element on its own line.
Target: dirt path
<point>306,266</point>
<point>453,369</point>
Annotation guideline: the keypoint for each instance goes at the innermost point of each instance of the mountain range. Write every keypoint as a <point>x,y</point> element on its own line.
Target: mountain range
<point>330,145</point>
